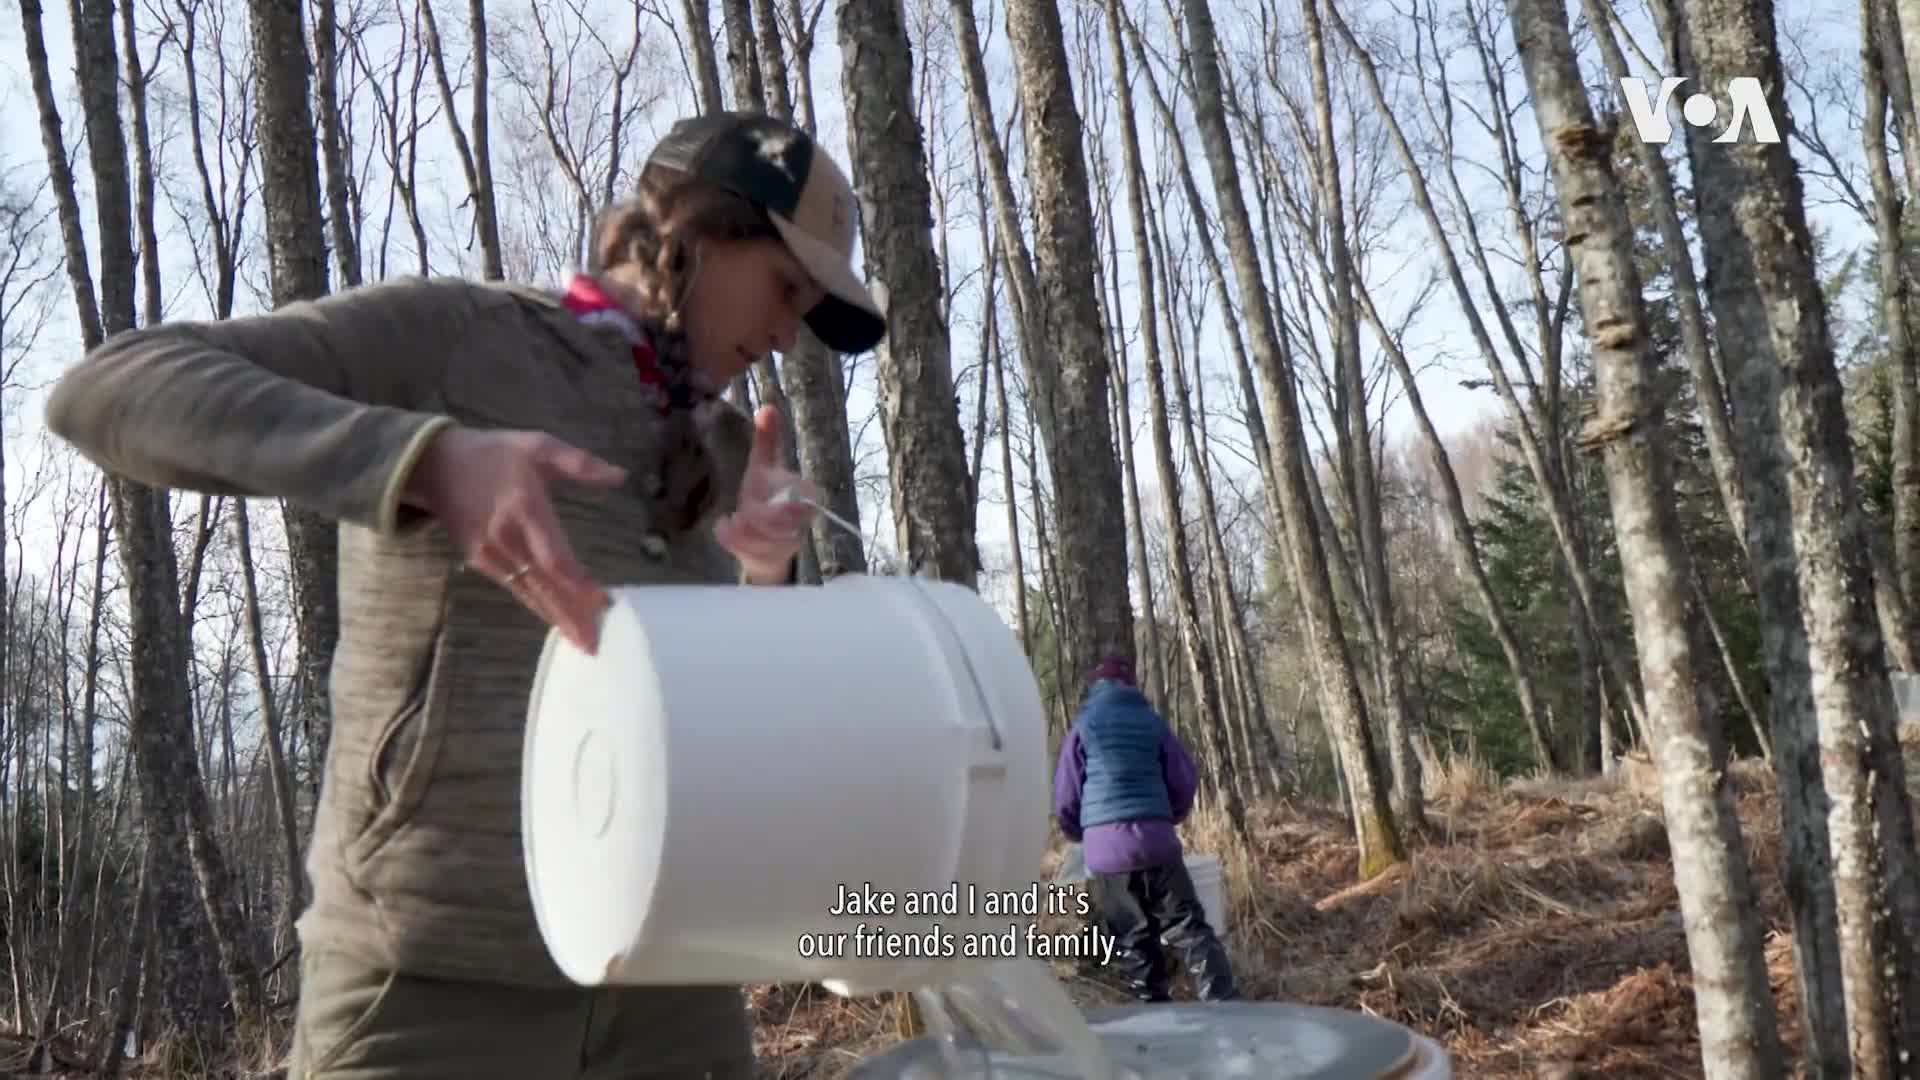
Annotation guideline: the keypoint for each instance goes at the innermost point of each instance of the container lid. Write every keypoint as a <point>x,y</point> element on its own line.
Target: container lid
<point>1255,1039</point>
<point>593,795</point>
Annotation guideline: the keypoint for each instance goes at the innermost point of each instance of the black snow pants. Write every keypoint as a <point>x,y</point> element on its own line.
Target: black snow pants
<point>1141,907</point>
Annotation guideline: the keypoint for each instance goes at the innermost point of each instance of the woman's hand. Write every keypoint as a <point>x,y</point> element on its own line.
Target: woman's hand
<point>765,535</point>
<point>490,490</point>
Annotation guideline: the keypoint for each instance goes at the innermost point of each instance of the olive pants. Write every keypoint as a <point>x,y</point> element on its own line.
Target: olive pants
<point>359,1023</point>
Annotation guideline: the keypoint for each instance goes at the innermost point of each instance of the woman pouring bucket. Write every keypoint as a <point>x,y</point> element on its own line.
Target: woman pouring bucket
<point>493,454</point>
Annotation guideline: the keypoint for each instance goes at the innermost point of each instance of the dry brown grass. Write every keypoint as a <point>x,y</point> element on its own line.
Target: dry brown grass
<point>1535,931</point>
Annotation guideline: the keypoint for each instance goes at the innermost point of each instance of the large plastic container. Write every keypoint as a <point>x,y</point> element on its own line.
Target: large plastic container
<point>1260,1040</point>
<point>698,795</point>
<point>1209,882</point>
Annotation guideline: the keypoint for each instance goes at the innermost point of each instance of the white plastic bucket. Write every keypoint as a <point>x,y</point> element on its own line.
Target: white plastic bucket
<point>696,796</point>
<point>1210,883</point>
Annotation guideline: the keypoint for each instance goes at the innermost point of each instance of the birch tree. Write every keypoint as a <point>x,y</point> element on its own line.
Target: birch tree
<point>1776,343</point>
<point>1341,702</point>
<point>1738,1032</point>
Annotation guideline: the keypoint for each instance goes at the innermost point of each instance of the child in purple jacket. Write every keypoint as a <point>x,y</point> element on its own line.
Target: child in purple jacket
<point>1123,783</point>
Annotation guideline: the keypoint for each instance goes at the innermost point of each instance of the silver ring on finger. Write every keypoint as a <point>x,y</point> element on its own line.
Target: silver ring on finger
<point>519,572</point>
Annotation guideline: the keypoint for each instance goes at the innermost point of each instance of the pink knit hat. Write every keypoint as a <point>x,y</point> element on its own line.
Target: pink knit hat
<point>1115,668</point>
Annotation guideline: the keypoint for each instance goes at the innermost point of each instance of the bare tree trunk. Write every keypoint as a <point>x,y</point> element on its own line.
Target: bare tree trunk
<point>72,892</point>
<point>1738,1033</point>
<point>1049,571</point>
<point>344,229</point>
<point>1090,515</point>
<point>1534,448</point>
<point>1896,299</point>
<point>989,316</point>
<point>761,86</point>
<point>1010,242</point>
<point>476,156</point>
<point>1761,270</point>
<point>697,27</point>
<point>1891,29</point>
<point>294,896</point>
<point>1708,389</point>
<point>162,744</point>
<point>296,249</point>
<point>1150,677</point>
<point>992,365</point>
<point>1342,707</point>
<point>1460,529</point>
<point>1197,210</point>
<point>1721,646</point>
<point>1894,611</point>
<point>1232,614</point>
<point>1200,661</point>
<point>811,379</point>
<point>742,56</point>
<point>1760,457</point>
<point>1369,540</point>
<point>926,450</point>
<point>1152,680</point>
<point>133,969</point>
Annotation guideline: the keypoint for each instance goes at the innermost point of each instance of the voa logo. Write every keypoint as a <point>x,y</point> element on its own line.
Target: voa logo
<point>1700,110</point>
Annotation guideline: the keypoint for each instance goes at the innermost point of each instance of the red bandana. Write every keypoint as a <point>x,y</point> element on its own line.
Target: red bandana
<point>591,303</point>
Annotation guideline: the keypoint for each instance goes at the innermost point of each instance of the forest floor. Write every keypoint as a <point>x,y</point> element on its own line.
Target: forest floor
<point>1535,932</point>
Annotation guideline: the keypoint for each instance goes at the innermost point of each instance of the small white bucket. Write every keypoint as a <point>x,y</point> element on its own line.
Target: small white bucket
<point>696,797</point>
<point>1210,883</point>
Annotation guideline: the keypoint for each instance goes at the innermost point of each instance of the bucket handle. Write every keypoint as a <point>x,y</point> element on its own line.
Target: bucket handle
<point>966,661</point>
<point>791,495</point>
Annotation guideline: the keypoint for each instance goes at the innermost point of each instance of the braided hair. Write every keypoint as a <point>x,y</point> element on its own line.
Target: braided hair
<point>648,246</point>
